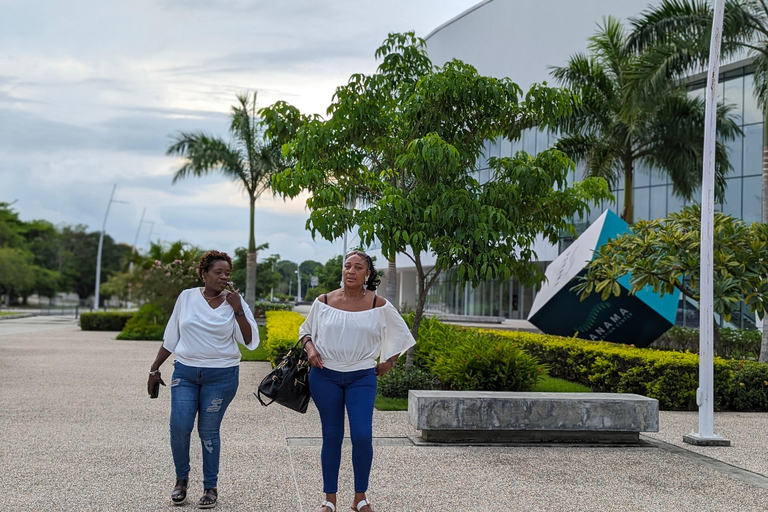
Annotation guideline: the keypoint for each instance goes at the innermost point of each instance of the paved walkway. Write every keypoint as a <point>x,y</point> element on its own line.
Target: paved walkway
<point>79,433</point>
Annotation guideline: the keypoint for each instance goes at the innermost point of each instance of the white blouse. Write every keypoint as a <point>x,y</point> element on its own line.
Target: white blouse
<point>206,337</point>
<point>348,341</point>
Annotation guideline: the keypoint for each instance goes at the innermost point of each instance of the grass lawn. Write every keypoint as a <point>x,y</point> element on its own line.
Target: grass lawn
<point>9,313</point>
<point>391,404</point>
<point>553,385</point>
<point>259,354</point>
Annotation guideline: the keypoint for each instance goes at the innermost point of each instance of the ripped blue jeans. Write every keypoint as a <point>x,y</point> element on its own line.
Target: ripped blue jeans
<point>205,393</point>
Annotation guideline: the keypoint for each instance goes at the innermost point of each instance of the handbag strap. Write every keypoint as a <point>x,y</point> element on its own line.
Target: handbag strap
<point>258,395</point>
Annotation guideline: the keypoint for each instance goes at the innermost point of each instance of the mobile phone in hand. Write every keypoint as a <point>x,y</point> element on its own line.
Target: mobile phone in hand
<point>155,390</point>
<point>230,286</point>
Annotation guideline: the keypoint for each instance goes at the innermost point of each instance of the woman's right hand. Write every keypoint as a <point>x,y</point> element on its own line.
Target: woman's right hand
<point>312,354</point>
<point>151,382</point>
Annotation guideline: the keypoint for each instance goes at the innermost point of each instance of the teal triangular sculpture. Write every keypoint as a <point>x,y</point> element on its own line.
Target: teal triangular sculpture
<point>633,319</point>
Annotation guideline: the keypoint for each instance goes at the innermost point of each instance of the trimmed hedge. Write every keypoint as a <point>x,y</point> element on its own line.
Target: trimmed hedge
<point>670,377</point>
<point>104,321</point>
<point>282,333</point>
<point>148,324</point>
<point>260,308</point>
<point>733,343</point>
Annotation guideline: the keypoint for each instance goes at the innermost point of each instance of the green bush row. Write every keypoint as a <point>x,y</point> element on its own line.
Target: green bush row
<point>668,376</point>
<point>104,320</point>
<point>282,333</point>
<point>147,324</point>
<point>733,343</point>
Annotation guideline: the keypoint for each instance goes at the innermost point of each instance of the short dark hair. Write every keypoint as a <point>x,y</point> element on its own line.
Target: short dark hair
<point>208,259</point>
<point>373,278</point>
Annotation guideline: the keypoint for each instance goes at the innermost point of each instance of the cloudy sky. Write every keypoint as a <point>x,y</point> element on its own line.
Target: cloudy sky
<point>92,91</point>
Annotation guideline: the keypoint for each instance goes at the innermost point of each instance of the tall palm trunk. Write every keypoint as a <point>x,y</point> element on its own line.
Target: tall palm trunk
<point>628,214</point>
<point>764,345</point>
<point>250,263</point>
<point>392,283</point>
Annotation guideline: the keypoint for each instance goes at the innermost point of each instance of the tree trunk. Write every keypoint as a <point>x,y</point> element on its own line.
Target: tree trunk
<point>628,213</point>
<point>764,345</point>
<point>392,283</point>
<point>250,264</point>
<point>419,311</point>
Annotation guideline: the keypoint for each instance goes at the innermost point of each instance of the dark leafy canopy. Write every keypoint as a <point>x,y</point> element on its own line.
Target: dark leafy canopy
<point>664,254</point>
<point>624,121</point>
<point>406,139</point>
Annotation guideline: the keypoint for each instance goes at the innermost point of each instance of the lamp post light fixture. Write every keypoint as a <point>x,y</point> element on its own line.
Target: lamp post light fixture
<point>101,245</point>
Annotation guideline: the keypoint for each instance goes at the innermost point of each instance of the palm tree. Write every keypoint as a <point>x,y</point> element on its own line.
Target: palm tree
<point>619,124</point>
<point>247,159</point>
<point>678,33</point>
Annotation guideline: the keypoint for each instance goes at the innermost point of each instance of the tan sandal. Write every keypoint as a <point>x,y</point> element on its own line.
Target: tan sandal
<point>361,504</point>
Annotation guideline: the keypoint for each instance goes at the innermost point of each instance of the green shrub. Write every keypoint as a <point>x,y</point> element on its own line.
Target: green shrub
<point>104,321</point>
<point>670,377</point>
<point>314,293</point>
<point>148,324</point>
<point>396,383</point>
<point>733,343</point>
<point>282,333</point>
<point>260,308</point>
<point>479,361</point>
<point>748,390</point>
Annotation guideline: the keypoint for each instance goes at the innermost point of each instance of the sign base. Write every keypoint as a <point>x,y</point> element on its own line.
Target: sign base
<point>701,440</point>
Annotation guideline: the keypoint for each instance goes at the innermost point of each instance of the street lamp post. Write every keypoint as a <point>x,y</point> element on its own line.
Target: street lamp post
<point>101,244</point>
<point>705,392</point>
<point>298,292</point>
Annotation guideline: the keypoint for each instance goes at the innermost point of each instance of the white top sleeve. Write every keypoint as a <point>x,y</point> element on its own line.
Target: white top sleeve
<point>206,337</point>
<point>353,340</point>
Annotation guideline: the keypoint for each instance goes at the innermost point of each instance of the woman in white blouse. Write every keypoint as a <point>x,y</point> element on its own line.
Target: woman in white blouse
<point>345,332</point>
<point>206,325</point>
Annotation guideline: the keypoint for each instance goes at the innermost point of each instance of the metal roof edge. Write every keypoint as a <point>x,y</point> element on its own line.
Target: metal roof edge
<point>456,18</point>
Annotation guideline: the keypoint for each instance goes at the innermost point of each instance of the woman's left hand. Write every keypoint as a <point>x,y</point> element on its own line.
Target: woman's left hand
<point>233,298</point>
<point>382,368</point>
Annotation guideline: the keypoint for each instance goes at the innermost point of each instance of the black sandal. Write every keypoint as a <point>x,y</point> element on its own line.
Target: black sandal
<point>179,494</point>
<point>209,498</point>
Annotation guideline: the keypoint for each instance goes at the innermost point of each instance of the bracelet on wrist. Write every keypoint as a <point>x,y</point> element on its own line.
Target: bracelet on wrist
<point>154,372</point>
<point>239,312</point>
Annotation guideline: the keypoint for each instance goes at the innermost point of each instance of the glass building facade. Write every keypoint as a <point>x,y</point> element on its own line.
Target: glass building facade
<point>653,198</point>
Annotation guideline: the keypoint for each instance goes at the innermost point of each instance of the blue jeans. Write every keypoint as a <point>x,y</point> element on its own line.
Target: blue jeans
<point>332,391</point>
<point>205,393</point>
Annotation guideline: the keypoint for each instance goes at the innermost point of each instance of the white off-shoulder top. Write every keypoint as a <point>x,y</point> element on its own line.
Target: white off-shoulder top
<point>206,337</point>
<point>352,340</point>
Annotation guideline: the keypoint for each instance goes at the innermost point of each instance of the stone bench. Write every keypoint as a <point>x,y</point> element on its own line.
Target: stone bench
<point>517,417</point>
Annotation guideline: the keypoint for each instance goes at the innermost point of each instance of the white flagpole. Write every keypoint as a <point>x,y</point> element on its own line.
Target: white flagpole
<point>705,393</point>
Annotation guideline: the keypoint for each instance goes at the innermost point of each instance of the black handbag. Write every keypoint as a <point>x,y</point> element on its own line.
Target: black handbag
<point>288,383</point>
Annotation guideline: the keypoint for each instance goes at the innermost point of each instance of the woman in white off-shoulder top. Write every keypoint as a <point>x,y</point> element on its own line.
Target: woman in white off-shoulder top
<point>351,337</point>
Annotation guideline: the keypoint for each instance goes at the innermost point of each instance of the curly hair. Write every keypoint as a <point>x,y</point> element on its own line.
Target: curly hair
<point>208,259</point>
<point>373,278</point>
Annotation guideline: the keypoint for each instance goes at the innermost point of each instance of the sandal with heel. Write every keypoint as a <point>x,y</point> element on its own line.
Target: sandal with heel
<point>361,504</point>
<point>209,498</point>
<point>179,494</point>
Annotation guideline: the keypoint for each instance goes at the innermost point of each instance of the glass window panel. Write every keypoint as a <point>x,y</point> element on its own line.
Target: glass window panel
<point>658,202</point>
<point>517,145</point>
<point>529,142</point>
<point>642,175</point>
<point>505,147</point>
<point>542,140</point>
<point>697,93</point>
<point>619,194</point>
<point>752,113</point>
<point>641,206</point>
<point>732,204</point>
<point>734,95</point>
<point>752,199</point>
<point>735,151</point>
<point>674,203</point>
<point>753,149</point>
<point>493,148</point>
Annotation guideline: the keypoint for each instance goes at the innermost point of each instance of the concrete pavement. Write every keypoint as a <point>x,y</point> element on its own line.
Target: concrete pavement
<point>79,433</point>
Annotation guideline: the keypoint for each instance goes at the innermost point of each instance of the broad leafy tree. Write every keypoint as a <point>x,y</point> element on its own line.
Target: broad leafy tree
<point>677,32</point>
<point>407,138</point>
<point>248,159</point>
<point>622,122</point>
<point>665,255</point>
